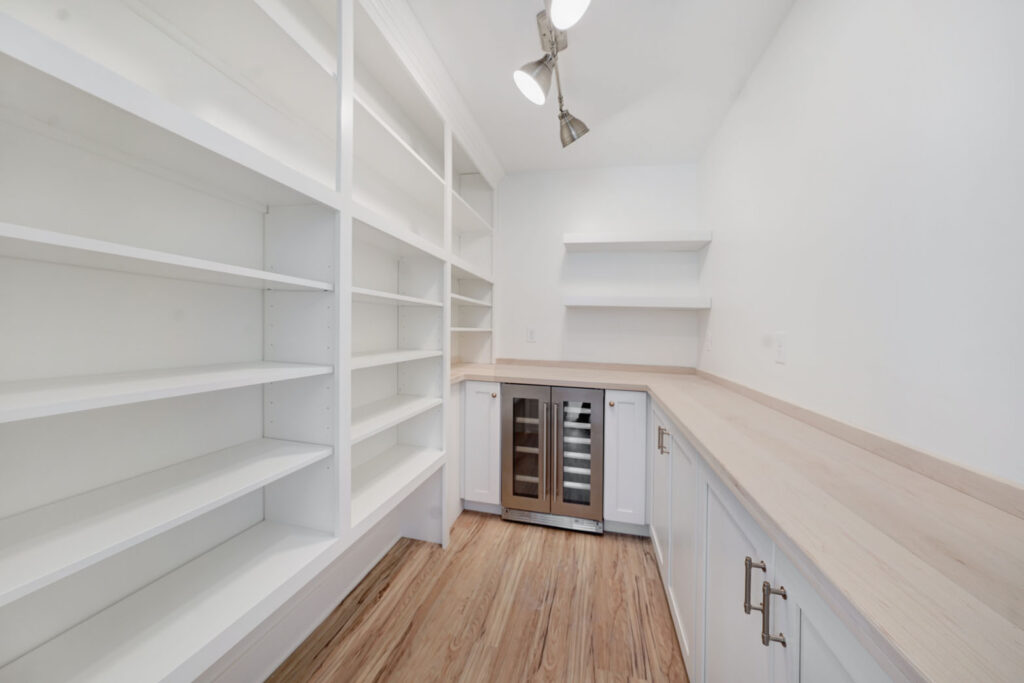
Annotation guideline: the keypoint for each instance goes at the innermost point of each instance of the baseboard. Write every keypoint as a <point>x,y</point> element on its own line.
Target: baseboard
<point>263,650</point>
<point>626,528</point>
<point>629,367</point>
<point>1006,495</point>
<point>487,508</point>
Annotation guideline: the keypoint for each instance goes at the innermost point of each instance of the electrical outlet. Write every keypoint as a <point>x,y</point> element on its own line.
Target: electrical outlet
<point>780,348</point>
<point>531,335</point>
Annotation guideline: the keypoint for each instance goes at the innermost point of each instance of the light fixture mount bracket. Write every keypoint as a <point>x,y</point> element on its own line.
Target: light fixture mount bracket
<point>552,40</point>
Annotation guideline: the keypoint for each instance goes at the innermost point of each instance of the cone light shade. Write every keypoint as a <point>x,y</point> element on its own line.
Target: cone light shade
<point>534,79</point>
<point>572,129</point>
<point>565,13</point>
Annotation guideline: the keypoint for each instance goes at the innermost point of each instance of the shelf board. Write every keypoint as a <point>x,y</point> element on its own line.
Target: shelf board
<point>472,329</point>
<point>469,301</point>
<point>47,78</point>
<point>372,360</point>
<point>466,220</point>
<point>680,303</point>
<point>687,241</point>
<point>17,241</point>
<point>379,484</point>
<point>45,544</point>
<point>395,229</point>
<point>386,155</point>
<point>464,270</point>
<point>26,399</point>
<point>171,628</point>
<point>375,296</point>
<point>374,418</point>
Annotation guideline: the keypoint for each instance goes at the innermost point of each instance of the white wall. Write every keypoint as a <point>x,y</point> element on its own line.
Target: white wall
<point>866,193</point>
<point>532,270</point>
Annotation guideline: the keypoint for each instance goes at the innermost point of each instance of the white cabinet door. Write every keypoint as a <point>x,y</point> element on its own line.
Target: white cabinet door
<point>819,647</point>
<point>481,443</point>
<point>661,500</point>
<point>625,457</point>
<point>684,548</point>
<point>732,639</point>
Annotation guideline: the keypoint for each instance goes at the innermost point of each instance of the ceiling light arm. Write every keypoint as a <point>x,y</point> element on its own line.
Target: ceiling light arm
<point>558,83</point>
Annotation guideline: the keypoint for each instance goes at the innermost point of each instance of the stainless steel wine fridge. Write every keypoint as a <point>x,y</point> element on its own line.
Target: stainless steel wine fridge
<point>552,456</point>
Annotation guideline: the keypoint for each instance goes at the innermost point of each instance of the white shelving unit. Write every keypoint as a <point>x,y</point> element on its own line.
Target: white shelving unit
<point>690,241</point>
<point>400,303</point>
<point>191,431</point>
<point>169,411</point>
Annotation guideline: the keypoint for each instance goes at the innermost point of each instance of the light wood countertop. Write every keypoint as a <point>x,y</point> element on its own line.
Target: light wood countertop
<point>925,575</point>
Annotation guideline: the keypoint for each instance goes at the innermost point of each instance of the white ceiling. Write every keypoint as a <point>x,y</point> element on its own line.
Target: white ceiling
<point>651,78</point>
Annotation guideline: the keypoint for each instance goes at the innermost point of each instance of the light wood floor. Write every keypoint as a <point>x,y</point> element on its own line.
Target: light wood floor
<point>504,602</point>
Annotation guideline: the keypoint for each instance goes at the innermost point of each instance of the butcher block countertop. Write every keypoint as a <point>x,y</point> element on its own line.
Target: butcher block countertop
<point>928,577</point>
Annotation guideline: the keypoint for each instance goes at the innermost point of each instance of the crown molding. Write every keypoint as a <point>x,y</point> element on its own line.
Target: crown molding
<point>403,31</point>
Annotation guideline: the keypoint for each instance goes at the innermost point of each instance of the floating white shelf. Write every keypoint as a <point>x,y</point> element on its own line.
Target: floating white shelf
<point>390,226</point>
<point>688,241</point>
<point>48,543</point>
<point>17,241</point>
<point>486,330</point>
<point>470,301</point>
<point>463,269</point>
<point>374,296</point>
<point>681,303</point>
<point>374,418</point>
<point>372,360</point>
<point>115,113</point>
<point>387,478</point>
<point>23,400</point>
<point>466,220</point>
<point>173,628</point>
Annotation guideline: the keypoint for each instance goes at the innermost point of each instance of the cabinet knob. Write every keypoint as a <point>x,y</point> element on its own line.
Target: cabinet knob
<point>494,396</point>
<point>611,404</point>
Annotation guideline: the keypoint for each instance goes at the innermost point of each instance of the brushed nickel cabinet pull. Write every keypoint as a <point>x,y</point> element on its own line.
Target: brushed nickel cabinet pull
<point>767,638</point>
<point>748,564</point>
<point>494,395</point>
<point>661,437</point>
<point>663,446</point>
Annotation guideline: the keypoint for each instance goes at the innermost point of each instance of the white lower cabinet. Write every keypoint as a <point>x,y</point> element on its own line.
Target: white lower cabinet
<point>702,536</point>
<point>684,543</point>
<point>660,492</point>
<point>819,647</point>
<point>625,457</point>
<point>481,443</point>
<point>732,638</point>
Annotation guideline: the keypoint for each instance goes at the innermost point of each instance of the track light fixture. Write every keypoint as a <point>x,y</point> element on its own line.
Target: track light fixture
<point>565,13</point>
<point>534,78</point>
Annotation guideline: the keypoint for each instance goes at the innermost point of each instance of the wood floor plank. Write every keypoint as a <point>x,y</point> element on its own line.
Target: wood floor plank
<point>504,603</point>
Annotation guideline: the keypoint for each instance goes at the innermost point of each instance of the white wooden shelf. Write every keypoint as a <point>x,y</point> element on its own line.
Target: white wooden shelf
<point>469,301</point>
<point>374,418</point>
<point>18,241</point>
<point>374,296</point>
<point>463,270</point>
<point>115,113</point>
<point>173,628</point>
<point>373,360</point>
<point>45,544</point>
<point>394,228</point>
<point>681,303</point>
<point>466,220</point>
<point>23,400</point>
<point>486,330</point>
<point>379,484</point>
<point>688,241</point>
